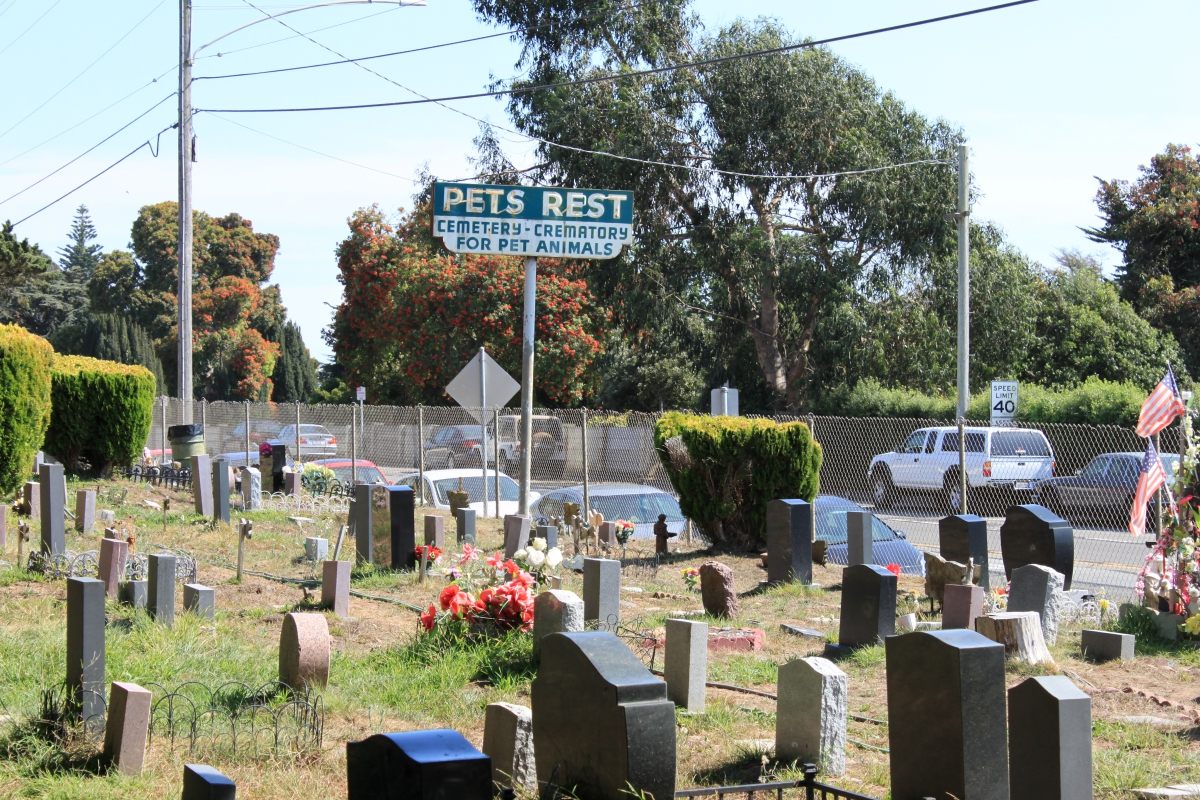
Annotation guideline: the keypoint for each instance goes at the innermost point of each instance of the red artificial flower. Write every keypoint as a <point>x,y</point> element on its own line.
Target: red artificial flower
<point>468,553</point>
<point>495,560</point>
<point>461,605</point>
<point>510,567</point>
<point>894,569</point>
<point>447,595</point>
<point>428,617</point>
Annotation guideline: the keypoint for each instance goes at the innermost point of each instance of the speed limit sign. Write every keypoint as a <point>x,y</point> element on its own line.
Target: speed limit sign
<point>1004,402</point>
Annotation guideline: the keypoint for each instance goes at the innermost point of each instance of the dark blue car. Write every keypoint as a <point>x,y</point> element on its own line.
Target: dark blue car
<point>887,544</point>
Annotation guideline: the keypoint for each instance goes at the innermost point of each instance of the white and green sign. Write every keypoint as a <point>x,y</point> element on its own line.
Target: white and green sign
<point>532,221</point>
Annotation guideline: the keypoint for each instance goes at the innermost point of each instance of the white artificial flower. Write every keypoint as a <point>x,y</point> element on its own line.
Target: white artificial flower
<point>536,558</point>
<point>537,543</point>
<point>554,557</point>
<point>521,555</point>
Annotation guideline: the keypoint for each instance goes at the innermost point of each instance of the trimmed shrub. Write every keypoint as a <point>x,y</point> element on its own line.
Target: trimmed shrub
<point>726,470</point>
<point>24,402</point>
<point>102,412</point>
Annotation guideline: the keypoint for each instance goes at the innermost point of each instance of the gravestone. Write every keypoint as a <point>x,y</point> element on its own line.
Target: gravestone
<point>686,668</point>
<point>111,569</point>
<point>868,605</point>
<point>946,716</point>
<point>202,486</point>
<point>1104,646</point>
<point>1038,588</point>
<point>608,534</point>
<point>717,591</point>
<point>1050,740</point>
<point>134,593</point>
<point>549,533</point>
<point>1033,534</point>
<point>555,611</point>
<point>127,727</point>
<point>811,714</point>
<point>32,493</point>
<point>417,765</point>
<point>293,485</point>
<point>316,548</point>
<point>52,493</point>
<point>335,587</point>
<point>859,543</point>
<point>278,463</point>
<point>961,606</point>
<point>508,742</point>
<point>963,537</point>
<point>516,533</point>
<point>362,519</point>
<point>602,592</point>
<point>85,647</point>
<point>629,735</point>
<point>199,599</point>
<point>435,531</point>
<point>464,519</point>
<point>789,541</point>
<point>395,537</point>
<point>251,488</point>
<point>202,782</point>
<point>304,650</point>
<point>160,598</point>
<point>85,510</point>
<point>220,490</point>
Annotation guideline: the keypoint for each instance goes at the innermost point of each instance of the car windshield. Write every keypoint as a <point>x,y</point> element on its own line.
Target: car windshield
<point>473,485</point>
<point>637,507</point>
<point>831,522</point>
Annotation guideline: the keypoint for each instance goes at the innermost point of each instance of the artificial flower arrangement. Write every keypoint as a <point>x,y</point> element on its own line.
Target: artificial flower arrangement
<point>691,578</point>
<point>624,531</point>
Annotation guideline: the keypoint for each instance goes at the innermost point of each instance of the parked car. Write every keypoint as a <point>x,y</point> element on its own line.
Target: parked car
<point>548,454</point>
<point>1101,491</point>
<point>261,430</point>
<point>634,502</point>
<point>453,446</point>
<point>364,470</point>
<point>315,440</point>
<point>888,545</point>
<point>1003,461</point>
<point>437,482</point>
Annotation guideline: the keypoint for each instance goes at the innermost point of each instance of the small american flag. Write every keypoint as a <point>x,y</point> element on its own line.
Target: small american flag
<point>1164,404</point>
<point>1150,480</point>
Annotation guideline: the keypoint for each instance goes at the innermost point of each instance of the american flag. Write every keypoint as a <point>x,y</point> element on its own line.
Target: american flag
<point>1150,480</point>
<point>1164,404</point>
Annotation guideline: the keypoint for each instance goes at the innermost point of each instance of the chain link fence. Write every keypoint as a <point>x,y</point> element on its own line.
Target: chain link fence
<point>583,447</point>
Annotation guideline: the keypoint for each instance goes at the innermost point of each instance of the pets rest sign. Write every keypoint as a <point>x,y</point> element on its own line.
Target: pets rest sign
<point>532,221</point>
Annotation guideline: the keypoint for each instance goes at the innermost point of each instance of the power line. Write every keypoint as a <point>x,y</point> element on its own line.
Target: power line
<point>223,53</point>
<point>21,35</point>
<point>632,74</point>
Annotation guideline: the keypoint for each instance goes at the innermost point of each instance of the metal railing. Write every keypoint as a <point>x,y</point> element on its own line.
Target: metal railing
<point>813,790</point>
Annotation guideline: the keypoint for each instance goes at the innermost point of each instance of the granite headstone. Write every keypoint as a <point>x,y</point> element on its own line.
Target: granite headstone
<point>1033,534</point>
<point>1049,740</point>
<point>789,541</point>
<point>417,765</point>
<point>868,605</point>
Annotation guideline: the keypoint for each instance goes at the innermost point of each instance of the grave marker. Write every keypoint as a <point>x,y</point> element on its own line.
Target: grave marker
<point>811,714</point>
<point>160,600</point>
<point>362,518</point>
<point>686,668</point>
<point>859,543</point>
<point>516,533</point>
<point>304,650</point>
<point>464,519</point>
<point>85,510</point>
<point>549,533</point>
<point>199,599</point>
<point>417,765</point>
<point>220,490</point>
<point>202,493</point>
<point>868,605</point>
<point>335,587</point>
<point>251,488</point>
<point>134,593</point>
<point>1050,740</point>
<point>789,541</point>
<point>602,592</point>
<point>33,498</point>
<point>85,647</point>
<point>435,531</point>
<point>555,611</point>
<point>127,728</point>
<point>316,548</point>
<point>202,782</point>
<point>508,742</point>
<point>963,537</point>
<point>717,591</point>
<point>52,493</point>
<point>961,606</point>
<point>1038,588</point>
<point>1104,646</point>
<point>114,553</point>
<point>1033,534</point>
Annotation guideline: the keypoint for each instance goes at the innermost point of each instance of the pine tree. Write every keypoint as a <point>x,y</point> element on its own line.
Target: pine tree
<point>79,258</point>
<point>295,375</point>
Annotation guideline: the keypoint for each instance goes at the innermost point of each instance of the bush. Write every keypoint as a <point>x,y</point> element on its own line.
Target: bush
<point>102,412</point>
<point>24,402</point>
<point>726,470</point>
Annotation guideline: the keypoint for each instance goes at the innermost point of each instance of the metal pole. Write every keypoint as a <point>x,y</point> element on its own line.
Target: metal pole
<point>353,448</point>
<point>183,387</point>
<point>204,413</point>
<point>1158,496</point>
<point>249,455</point>
<point>496,457</point>
<point>527,381</point>
<point>964,281</point>
<point>962,467</point>
<point>586,481</point>
<point>483,423</point>
<point>421,454</point>
<point>812,507</point>
<point>298,459</point>
<point>164,430</point>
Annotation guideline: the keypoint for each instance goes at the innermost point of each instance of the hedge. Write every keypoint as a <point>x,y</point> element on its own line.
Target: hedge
<point>24,402</point>
<point>101,412</point>
<point>726,470</point>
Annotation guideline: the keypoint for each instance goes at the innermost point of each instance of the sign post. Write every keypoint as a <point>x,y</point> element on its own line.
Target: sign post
<point>1004,403</point>
<point>533,222</point>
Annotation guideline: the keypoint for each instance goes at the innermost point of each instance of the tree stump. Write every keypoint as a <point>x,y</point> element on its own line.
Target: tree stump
<point>1020,632</point>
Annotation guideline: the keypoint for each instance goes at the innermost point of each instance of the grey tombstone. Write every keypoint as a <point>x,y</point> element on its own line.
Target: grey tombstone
<point>402,526</point>
<point>508,742</point>
<point>160,600</point>
<point>251,488</point>
<point>1050,740</point>
<point>3,526</point>
<point>549,533</point>
<point>335,587</point>
<point>292,483</point>
<point>607,534</point>
<point>53,495</point>
<point>963,537</point>
<point>316,548</point>
<point>417,765</point>
<point>686,668</point>
<point>202,782</point>
<point>859,545</point>
<point>1033,534</point>
<point>220,490</point>
<point>33,498</point>
<point>114,553</point>
<point>199,599</point>
<point>464,519</point>
<point>789,541</point>
<point>127,727</point>
<point>516,533</point>
<point>435,531</point>
<point>85,647</point>
<point>868,605</point>
<point>555,611</point>
<point>134,593</point>
<point>811,714</point>
<point>202,484</point>
<point>362,514</point>
<point>629,736</point>
<point>85,510</point>
<point>946,720</point>
<point>602,592</point>
<point>1107,645</point>
<point>1038,588</point>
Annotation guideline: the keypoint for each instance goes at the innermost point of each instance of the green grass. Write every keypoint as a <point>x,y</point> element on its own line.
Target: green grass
<point>743,670</point>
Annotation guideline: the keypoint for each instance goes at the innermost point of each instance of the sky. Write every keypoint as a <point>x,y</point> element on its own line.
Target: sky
<point>1051,95</point>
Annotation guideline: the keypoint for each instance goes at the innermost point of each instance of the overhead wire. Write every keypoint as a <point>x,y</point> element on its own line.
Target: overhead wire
<point>222,53</point>
<point>32,25</point>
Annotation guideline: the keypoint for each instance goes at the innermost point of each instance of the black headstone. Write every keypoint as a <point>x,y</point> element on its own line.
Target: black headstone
<point>220,490</point>
<point>868,605</point>
<point>465,520</point>
<point>629,737</point>
<point>417,765</point>
<point>403,526</point>
<point>362,522</point>
<point>202,782</point>
<point>53,500</point>
<point>1033,534</point>
<point>962,537</point>
<point>1050,740</point>
<point>85,648</point>
<point>278,461</point>
<point>946,725</point>
<point>789,541</point>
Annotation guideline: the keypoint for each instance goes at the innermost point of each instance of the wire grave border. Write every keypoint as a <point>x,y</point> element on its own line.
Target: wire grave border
<point>87,565</point>
<point>813,789</point>
<point>157,476</point>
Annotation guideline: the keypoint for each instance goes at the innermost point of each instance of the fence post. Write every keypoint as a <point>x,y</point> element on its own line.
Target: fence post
<point>421,453</point>
<point>496,458</point>
<point>298,458</point>
<point>812,507</point>
<point>353,447</point>
<point>246,410</point>
<point>586,498</point>
<point>962,466</point>
<point>810,780</point>
<point>204,414</point>
<point>163,437</point>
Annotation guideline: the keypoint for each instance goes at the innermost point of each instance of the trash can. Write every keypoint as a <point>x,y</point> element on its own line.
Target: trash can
<point>186,441</point>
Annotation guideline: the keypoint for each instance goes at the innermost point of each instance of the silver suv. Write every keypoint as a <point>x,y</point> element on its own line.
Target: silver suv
<point>998,459</point>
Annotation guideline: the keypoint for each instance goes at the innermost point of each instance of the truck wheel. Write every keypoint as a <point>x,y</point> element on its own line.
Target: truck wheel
<point>952,491</point>
<point>882,490</point>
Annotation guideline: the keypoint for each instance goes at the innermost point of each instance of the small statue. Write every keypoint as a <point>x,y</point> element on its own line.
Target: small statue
<point>661,535</point>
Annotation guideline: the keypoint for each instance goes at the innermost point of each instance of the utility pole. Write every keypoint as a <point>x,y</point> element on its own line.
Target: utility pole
<point>527,337</point>
<point>964,281</point>
<point>184,386</point>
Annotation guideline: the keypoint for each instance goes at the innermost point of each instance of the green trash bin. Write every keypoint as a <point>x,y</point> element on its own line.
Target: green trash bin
<point>186,441</point>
